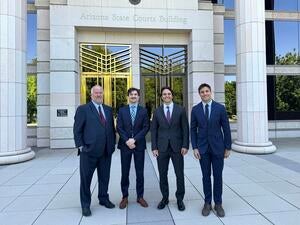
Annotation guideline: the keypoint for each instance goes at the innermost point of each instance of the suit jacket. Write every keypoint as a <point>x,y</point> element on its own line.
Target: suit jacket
<point>138,131</point>
<point>176,133</point>
<point>89,131</point>
<point>215,133</point>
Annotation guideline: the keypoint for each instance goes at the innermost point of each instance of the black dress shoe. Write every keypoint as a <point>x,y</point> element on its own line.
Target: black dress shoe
<point>219,210</point>
<point>181,206</point>
<point>206,209</point>
<point>86,212</point>
<point>108,204</point>
<point>162,204</point>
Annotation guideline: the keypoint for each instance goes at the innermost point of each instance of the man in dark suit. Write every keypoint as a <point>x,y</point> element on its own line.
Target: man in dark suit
<point>132,126</point>
<point>94,135</point>
<point>170,139</point>
<point>211,141</point>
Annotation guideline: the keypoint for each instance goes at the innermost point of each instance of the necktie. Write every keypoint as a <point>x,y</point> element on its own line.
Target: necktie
<point>132,113</point>
<point>102,118</point>
<point>206,112</point>
<point>168,114</point>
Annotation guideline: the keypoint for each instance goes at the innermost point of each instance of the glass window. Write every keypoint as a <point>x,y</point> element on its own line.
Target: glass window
<point>31,37</point>
<point>282,42</point>
<point>30,1</point>
<point>229,4</point>
<point>229,42</point>
<point>282,5</point>
<point>286,42</point>
<point>288,94</point>
<point>283,97</point>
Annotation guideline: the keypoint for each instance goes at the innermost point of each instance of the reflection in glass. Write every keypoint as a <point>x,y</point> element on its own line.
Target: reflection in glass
<point>282,42</point>
<point>282,5</point>
<point>162,66</point>
<point>119,93</point>
<point>288,93</point>
<point>229,4</point>
<point>108,66</point>
<point>286,46</point>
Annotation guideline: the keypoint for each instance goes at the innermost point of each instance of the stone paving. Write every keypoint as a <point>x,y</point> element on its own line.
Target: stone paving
<point>258,190</point>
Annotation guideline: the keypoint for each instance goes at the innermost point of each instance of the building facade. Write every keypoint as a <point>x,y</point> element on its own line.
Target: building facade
<point>146,44</point>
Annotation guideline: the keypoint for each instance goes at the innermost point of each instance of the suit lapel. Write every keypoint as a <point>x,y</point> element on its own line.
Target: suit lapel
<point>94,111</point>
<point>212,110</point>
<point>136,114</point>
<point>174,113</point>
<point>201,111</point>
<point>127,111</point>
<point>163,113</point>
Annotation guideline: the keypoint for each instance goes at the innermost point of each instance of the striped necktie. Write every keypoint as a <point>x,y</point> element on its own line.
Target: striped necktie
<point>132,113</point>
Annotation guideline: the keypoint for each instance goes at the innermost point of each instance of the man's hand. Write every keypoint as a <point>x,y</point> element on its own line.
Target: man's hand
<point>226,153</point>
<point>197,154</point>
<point>155,153</point>
<point>130,143</point>
<point>183,151</point>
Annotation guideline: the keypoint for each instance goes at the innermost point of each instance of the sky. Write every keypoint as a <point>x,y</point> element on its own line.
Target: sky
<point>31,36</point>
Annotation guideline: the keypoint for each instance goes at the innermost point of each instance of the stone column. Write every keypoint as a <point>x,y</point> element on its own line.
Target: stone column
<point>43,73</point>
<point>219,93</point>
<point>13,107</point>
<point>252,133</point>
<point>201,54</point>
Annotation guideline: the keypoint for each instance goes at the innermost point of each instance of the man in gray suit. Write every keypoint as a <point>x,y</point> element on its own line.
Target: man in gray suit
<point>94,136</point>
<point>170,139</point>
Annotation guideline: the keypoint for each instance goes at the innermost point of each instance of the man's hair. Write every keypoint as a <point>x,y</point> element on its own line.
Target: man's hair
<point>202,86</point>
<point>132,90</point>
<point>166,88</point>
<point>92,89</point>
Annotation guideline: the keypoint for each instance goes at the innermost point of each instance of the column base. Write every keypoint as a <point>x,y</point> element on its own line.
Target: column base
<point>16,157</point>
<point>260,148</point>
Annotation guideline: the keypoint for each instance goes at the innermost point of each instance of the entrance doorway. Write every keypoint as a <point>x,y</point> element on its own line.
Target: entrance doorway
<point>163,65</point>
<point>108,66</point>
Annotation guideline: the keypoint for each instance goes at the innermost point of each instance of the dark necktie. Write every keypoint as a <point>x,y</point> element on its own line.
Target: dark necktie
<point>206,112</point>
<point>102,118</point>
<point>168,114</point>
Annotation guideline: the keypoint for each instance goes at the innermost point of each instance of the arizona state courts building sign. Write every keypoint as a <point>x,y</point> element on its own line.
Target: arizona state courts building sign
<point>146,44</point>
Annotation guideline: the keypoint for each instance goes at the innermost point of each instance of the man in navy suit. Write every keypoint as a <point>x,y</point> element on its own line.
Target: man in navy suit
<point>211,141</point>
<point>94,135</point>
<point>170,140</point>
<point>132,126</point>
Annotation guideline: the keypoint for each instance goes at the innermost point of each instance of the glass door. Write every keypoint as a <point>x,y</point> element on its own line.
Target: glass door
<point>163,66</point>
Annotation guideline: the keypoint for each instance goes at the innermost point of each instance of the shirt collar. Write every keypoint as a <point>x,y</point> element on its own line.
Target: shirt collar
<point>170,105</point>
<point>135,104</point>
<point>208,103</point>
<point>96,104</point>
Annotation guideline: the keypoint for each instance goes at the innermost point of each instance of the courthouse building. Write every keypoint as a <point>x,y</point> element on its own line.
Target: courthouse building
<point>146,44</point>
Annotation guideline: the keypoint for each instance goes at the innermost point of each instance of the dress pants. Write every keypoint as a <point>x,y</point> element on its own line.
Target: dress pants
<point>210,161</point>
<point>163,166</point>
<point>139,159</point>
<point>88,164</point>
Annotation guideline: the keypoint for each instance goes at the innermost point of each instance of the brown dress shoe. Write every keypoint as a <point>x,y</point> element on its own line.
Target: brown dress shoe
<point>123,204</point>
<point>142,202</point>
